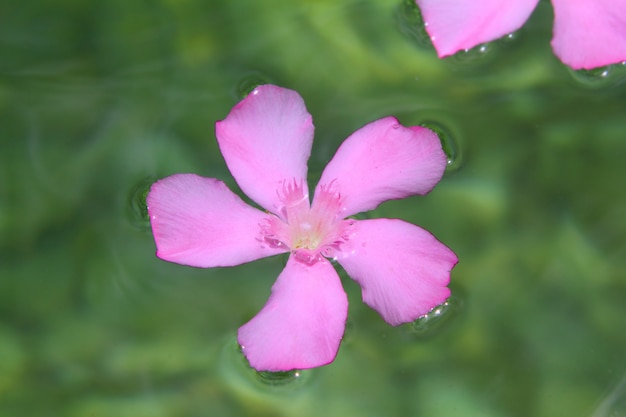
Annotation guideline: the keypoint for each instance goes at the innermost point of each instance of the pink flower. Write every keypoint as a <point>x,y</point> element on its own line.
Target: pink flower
<point>587,33</point>
<point>266,141</point>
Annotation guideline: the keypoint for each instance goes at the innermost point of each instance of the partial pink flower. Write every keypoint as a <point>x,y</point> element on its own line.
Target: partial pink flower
<point>266,141</point>
<point>587,33</point>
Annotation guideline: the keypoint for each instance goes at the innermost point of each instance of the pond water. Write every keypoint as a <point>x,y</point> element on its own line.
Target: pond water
<point>100,99</point>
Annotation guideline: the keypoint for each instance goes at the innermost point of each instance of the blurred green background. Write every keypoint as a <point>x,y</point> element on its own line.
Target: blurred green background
<point>98,99</point>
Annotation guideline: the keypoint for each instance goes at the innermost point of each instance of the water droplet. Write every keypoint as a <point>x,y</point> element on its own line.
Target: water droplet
<point>279,378</point>
<point>137,209</point>
<point>510,37</point>
<point>596,77</point>
<point>476,54</point>
<point>249,83</point>
<point>448,143</point>
<point>435,318</point>
<point>243,379</point>
<point>411,24</point>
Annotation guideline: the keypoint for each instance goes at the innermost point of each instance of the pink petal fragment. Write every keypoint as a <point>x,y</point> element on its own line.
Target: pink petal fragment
<point>589,33</point>
<point>454,25</point>
<point>302,323</point>
<point>381,161</point>
<point>199,222</point>
<point>266,140</point>
<point>403,269</point>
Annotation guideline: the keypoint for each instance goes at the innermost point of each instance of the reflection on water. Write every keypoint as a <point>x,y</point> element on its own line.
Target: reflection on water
<point>136,206</point>
<point>435,319</point>
<point>98,99</point>
<point>614,404</point>
<point>449,143</point>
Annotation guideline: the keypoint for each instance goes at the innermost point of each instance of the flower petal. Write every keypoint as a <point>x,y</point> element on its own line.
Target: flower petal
<point>302,323</point>
<point>589,34</point>
<point>383,160</point>
<point>266,140</point>
<point>198,221</point>
<point>403,269</point>
<point>454,25</point>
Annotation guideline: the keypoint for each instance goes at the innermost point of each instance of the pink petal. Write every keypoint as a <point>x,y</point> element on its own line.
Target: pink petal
<point>266,140</point>
<point>589,33</point>
<point>198,221</point>
<point>454,25</point>
<point>381,161</point>
<point>302,323</point>
<point>403,269</point>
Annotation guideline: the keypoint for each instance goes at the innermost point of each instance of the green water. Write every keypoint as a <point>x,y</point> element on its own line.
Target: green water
<point>98,99</point>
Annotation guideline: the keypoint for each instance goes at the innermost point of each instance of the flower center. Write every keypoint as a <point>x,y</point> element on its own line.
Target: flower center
<point>309,231</point>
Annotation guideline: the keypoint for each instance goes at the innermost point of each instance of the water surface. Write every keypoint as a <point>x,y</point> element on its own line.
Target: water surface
<point>99,99</point>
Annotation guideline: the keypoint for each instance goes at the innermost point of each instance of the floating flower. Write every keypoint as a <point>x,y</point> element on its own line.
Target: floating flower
<point>266,141</point>
<point>587,33</point>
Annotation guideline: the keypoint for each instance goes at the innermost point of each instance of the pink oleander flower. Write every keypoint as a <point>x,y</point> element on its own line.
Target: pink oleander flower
<point>266,141</point>
<point>587,33</point>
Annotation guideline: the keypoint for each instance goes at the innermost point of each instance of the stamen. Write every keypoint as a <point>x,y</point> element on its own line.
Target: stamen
<point>309,231</point>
